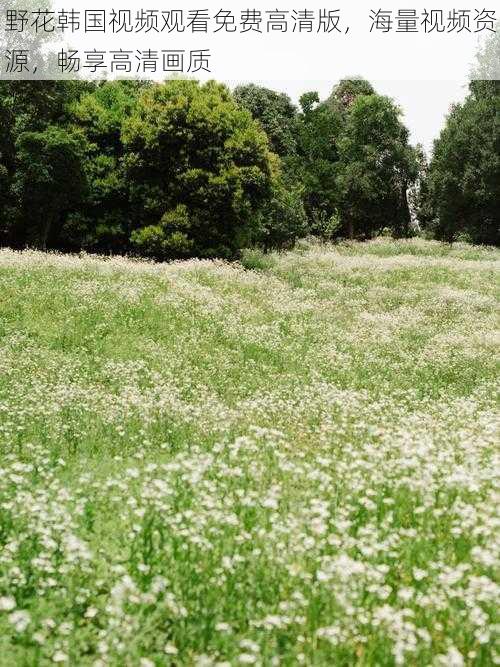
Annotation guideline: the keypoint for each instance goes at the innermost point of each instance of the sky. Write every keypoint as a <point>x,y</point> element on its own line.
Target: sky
<point>425,105</point>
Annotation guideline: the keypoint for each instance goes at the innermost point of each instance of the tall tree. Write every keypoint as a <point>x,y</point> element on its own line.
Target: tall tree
<point>284,218</point>
<point>103,221</point>
<point>49,182</point>
<point>463,183</point>
<point>318,131</point>
<point>464,177</point>
<point>26,107</point>
<point>345,93</point>
<point>376,165</point>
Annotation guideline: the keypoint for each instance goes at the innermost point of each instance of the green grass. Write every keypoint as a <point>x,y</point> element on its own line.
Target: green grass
<point>203,464</point>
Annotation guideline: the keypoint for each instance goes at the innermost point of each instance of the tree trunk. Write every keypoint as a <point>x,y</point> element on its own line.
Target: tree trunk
<point>350,229</point>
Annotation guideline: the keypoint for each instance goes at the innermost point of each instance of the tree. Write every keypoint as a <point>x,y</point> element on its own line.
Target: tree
<point>49,182</point>
<point>354,161</point>
<point>103,222</point>
<point>275,112</point>
<point>6,162</point>
<point>318,130</point>
<point>485,72</point>
<point>463,183</point>
<point>284,218</point>
<point>26,106</point>
<point>464,177</point>
<point>199,170</point>
<point>376,165</point>
<point>345,93</point>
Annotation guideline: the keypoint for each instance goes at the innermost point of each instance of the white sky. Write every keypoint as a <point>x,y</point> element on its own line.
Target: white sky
<point>425,105</point>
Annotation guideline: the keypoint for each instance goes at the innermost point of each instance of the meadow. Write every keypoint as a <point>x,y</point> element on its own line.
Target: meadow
<point>293,463</point>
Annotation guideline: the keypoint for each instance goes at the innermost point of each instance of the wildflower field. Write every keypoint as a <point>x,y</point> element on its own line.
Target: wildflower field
<point>202,464</point>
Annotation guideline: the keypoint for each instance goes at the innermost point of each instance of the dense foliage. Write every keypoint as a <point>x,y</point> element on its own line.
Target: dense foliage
<point>462,197</point>
<point>350,155</point>
<point>34,120</point>
<point>183,169</point>
<point>276,113</point>
<point>200,170</point>
<point>376,165</point>
<point>170,170</point>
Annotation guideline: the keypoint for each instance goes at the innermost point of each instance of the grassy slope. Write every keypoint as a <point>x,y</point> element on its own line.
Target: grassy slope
<point>204,464</point>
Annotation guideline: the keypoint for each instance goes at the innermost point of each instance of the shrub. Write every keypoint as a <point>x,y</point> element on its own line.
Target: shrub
<point>167,239</point>
<point>325,226</point>
<point>284,219</point>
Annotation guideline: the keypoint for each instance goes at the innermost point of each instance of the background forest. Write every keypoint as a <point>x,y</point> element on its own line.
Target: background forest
<point>182,169</point>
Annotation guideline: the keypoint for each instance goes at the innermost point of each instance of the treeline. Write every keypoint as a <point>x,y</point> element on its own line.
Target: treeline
<point>182,169</point>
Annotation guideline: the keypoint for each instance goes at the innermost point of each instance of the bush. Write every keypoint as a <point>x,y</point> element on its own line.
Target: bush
<point>284,219</point>
<point>167,239</point>
<point>325,226</point>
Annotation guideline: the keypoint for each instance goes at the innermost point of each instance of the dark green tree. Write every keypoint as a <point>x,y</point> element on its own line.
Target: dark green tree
<point>275,112</point>
<point>103,222</point>
<point>355,162</point>
<point>375,167</point>
<point>318,131</point>
<point>284,218</point>
<point>26,107</point>
<point>462,189</point>
<point>49,182</point>
<point>463,183</point>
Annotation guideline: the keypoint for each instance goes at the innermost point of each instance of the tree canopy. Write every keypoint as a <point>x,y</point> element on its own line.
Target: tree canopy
<point>462,188</point>
<point>182,169</point>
